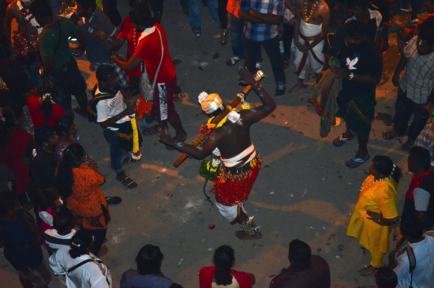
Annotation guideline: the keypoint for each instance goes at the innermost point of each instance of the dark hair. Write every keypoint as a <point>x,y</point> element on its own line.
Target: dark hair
<point>80,242</point>
<point>360,3</point>
<point>411,228</point>
<point>43,133</point>
<point>300,254</point>
<point>41,8</point>
<point>17,110</point>
<point>46,86</point>
<point>386,278</point>
<point>86,4</point>
<point>421,157</point>
<point>5,51</point>
<point>65,179</point>
<point>224,258</point>
<point>384,165</point>
<point>142,14</point>
<point>63,219</point>
<point>8,200</point>
<point>355,29</point>
<point>103,72</point>
<point>426,31</point>
<point>46,198</point>
<point>63,124</point>
<point>7,124</point>
<point>149,260</point>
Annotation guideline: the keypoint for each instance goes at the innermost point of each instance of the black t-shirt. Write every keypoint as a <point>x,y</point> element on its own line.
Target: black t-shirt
<point>14,82</point>
<point>360,60</point>
<point>42,166</point>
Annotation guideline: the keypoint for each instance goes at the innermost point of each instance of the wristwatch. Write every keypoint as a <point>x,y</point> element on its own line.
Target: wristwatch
<point>351,76</point>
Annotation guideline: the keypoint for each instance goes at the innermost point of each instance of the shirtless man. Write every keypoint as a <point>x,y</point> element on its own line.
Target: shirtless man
<point>241,162</point>
<point>25,39</point>
<point>312,19</point>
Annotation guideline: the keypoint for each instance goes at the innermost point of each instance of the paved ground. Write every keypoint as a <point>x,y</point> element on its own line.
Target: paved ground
<point>304,189</point>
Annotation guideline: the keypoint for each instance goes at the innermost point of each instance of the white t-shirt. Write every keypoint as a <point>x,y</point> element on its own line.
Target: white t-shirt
<point>423,274</point>
<point>90,275</point>
<point>109,108</point>
<point>421,199</point>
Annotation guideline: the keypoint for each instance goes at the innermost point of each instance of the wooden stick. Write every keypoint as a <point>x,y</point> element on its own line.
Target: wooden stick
<point>216,120</point>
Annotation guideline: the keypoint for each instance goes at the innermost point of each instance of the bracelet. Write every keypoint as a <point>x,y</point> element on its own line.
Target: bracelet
<point>257,86</point>
<point>179,144</point>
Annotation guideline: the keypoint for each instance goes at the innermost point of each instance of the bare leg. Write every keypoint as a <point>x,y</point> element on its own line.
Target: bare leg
<point>175,121</point>
<point>82,102</point>
<point>242,219</point>
<point>297,86</point>
<point>363,146</point>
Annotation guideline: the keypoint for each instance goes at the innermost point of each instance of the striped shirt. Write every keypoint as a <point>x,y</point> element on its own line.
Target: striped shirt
<point>258,32</point>
<point>56,241</point>
<point>418,79</point>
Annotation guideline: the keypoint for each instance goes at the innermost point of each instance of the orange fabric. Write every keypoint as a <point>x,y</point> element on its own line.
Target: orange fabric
<point>143,107</point>
<point>87,198</point>
<point>233,7</point>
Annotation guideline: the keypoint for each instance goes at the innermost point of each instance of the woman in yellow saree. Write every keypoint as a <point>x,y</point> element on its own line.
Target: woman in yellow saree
<point>375,212</point>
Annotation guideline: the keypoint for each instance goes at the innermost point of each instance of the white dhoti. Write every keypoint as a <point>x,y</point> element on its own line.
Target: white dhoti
<point>230,212</point>
<point>314,57</point>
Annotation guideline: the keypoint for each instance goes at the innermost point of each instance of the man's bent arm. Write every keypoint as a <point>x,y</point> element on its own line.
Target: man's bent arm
<point>245,16</point>
<point>267,107</point>
<point>129,65</point>
<point>266,18</point>
<point>401,65</point>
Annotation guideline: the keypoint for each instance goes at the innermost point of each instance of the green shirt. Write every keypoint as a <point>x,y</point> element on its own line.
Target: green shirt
<point>50,45</point>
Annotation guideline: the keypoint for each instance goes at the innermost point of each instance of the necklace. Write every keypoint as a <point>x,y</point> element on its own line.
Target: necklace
<point>373,182</point>
<point>135,38</point>
<point>308,15</point>
<point>28,16</point>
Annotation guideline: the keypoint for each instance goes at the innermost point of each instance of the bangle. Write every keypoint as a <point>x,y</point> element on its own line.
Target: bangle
<point>179,144</point>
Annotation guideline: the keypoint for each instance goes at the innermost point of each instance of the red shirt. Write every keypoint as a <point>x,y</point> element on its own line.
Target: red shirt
<point>34,103</point>
<point>132,36</point>
<point>149,49</point>
<point>415,183</point>
<point>206,275</point>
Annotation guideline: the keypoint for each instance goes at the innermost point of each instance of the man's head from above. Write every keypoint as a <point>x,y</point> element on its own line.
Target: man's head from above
<point>355,33</point>
<point>42,11</point>
<point>141,16</point>
<point>85,8</point>
<point>411,229</point>
<point>9,204</point>
<point>385,277</point>
<point>46,136</point>
<point>425,37</point>
<point>64,222</point>
<point>419,160</point>
<point>211,104</point>
<point>149,260</point>
<point>358,7</point>
<point>300,255</point>
<point>107,80</point>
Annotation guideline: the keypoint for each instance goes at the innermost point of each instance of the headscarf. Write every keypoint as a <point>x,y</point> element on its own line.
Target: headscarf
<point>210,102</point>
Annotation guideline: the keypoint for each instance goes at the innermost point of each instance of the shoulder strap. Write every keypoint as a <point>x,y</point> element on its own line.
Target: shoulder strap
<point>78,265</point>
<point>411,258</point>
<point>161,61</point>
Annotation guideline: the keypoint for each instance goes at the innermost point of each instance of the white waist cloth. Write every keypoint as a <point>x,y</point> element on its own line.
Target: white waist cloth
<point>236,160</point>
<point>309,29</point>
<point>230,212</point>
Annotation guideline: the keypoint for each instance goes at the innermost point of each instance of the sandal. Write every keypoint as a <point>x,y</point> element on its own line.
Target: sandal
<point>406,146</point>
<point>128,182</point>
<point>232,61</point>
<point>130,160</point>
<point>356,162</point>
<point>390,134</point>
<point>340,141</point>
<point>150,131</point>
<point>113,200</point>
<point>286,62</point>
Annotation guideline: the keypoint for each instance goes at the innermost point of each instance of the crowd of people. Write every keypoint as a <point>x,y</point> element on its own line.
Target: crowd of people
<point>51,190</point>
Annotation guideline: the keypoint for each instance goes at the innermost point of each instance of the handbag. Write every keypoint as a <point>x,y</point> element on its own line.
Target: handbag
<point>145,87</point>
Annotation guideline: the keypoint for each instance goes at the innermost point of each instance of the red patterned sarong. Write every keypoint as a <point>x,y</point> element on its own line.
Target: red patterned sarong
<point>233,188</point>
<point>22,45</point>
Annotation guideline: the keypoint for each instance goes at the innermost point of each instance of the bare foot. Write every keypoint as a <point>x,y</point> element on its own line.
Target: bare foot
<point>368,271</point>
<point>297,87</point>
<point>243,236</point>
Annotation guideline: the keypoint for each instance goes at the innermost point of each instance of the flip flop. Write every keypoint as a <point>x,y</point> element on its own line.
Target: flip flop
<point>356,162</point>
<point>128,182</point>
<point>113,200</point>
<point>130,160</point>
<point>232,61</point>
<point>340,141</point>
<point>150,131</point>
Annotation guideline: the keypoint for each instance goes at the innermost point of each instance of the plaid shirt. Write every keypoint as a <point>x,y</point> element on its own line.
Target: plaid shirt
<point>418,79</point>
<point>425,137</point>
<point>260,32</point>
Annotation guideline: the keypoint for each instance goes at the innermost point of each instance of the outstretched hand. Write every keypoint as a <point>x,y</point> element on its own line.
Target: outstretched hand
<point>248,78</point>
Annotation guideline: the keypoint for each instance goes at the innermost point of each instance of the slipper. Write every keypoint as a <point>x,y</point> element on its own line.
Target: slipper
<point>232,61</point>
<point>113,200</point>
<point>406,146</point>
<point>130,160</point>
<point>128,182</point>
<point>150,131</point>
<point>340,141</point>
<point>356,162</point>
<point>390,134</point>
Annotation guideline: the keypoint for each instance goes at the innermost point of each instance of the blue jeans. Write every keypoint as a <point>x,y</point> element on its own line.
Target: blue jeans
<point>195,12</point>
<point>117,154</point>
<point>236,29</point>
<point>272,48</point>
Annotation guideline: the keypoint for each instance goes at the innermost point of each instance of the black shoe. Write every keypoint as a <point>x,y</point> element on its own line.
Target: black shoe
<point>113,200</point>
<point>196,31</point>
<point>280,91</point>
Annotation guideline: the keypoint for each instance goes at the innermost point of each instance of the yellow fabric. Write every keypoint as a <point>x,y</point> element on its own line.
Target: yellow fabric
<point>99,4</point>
<point>376,259</point>
<point>380,197</point>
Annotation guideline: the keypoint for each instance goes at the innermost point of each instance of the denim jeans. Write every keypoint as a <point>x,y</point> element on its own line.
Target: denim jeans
<point>117,154</point>
<point>236,29</point>
<point>223,13</point>
<point>404,108</point>
<point>195,12</point>
<point>272,48</point>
